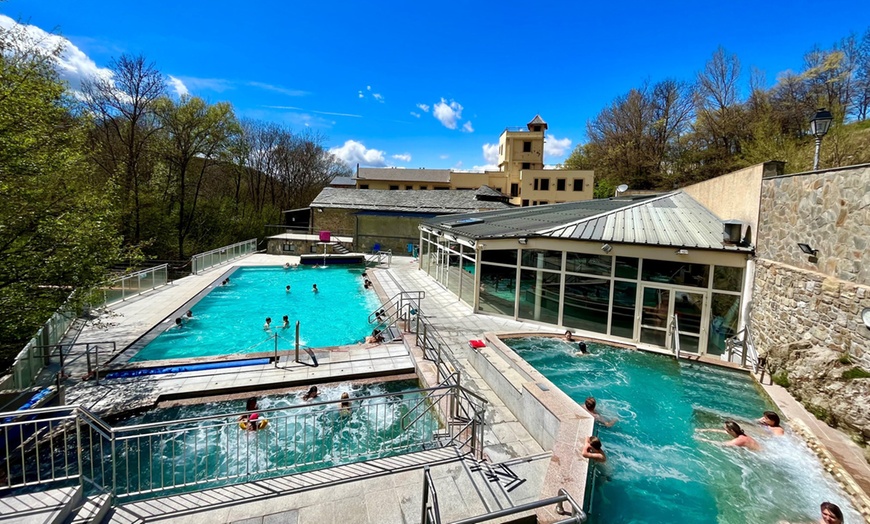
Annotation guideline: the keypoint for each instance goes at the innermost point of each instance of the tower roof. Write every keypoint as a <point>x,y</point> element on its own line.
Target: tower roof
<point>537,121</point>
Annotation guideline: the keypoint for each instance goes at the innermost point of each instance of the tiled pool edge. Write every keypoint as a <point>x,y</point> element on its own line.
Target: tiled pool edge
<point>551,417</point>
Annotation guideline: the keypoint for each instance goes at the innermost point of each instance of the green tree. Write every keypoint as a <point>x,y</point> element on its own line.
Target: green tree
<point>56,230</point>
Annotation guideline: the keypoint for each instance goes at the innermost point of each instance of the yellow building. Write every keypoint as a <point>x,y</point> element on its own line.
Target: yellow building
<point>521,174</point>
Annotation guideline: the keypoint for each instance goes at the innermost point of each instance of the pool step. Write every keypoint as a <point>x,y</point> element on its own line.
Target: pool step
<point>492,483</point>
<point>46,507</point>
<point>91,511</point>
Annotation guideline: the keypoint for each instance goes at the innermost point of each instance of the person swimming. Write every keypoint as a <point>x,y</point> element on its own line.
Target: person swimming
<point>569,336</point>
<point>178,323</point>
<point>189,315</point>
<point>831,513</point>
<point>590,404</point>
<point>314,289</point>
<point>581,349</point>
<point>593,450</point>
<point>286,265</point>
<point>770,419</point>
<point>287,289</point>
<point>344,407</point>
<point>250,421</point>
<point>286,322</point>
<point>739,438</point>
<point>268,325</point>
<point>311,394</point>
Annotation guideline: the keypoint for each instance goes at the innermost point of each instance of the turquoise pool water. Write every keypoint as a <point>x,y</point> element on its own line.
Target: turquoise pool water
<point>657,471</point>
<point>229,320</point>
<point>200,446</point>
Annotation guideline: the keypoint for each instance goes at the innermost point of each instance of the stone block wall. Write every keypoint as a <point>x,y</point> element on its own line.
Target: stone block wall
<point>828,210</point>
<point>792,305</point>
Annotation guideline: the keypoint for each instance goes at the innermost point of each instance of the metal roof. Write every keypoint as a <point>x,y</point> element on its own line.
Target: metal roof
<point>412,201</point>
<point>674,219</point>
<point>400,175</point>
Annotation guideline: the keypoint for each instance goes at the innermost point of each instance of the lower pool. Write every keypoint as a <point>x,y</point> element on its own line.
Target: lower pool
<point>230,319</point>
<point>199,446</point>
<point>657,470</point>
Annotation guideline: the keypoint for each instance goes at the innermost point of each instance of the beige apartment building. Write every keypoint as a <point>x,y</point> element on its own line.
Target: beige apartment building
<point>521,174</point>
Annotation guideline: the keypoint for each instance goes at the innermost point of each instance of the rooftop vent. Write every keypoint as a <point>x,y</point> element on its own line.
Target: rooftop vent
<point>732,232</point>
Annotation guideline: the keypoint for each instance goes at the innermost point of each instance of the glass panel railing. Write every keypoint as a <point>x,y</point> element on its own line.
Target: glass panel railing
<point>222,255</point>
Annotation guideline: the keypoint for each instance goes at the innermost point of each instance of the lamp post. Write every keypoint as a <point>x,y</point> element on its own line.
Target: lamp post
<point>819,125</point>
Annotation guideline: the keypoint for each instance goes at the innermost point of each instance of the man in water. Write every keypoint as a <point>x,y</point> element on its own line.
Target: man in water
<point>831,514</point>
<point>590,404</point>
<point>581,349</point>
<point>314,289</point>
<point>771,420</point>
<point>286,322</point>
<point>268,325</point>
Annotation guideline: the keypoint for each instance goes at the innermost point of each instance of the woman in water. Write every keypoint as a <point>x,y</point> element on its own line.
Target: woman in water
<point>771,420</point>
<point>311,395</point>
<point>569,336</point>
<point>344,407</point>
<point>592,450</point>
<point>739,438</point>
<point>831,514</point>
<point>251,420</point>
<point>590,404</point>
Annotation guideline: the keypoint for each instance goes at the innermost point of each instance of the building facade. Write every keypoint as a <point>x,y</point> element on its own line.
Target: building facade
<point>521,174</point>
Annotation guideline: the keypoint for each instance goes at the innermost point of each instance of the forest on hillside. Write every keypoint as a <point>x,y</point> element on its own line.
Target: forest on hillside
<point>669,133</point>
<point>121,174</point>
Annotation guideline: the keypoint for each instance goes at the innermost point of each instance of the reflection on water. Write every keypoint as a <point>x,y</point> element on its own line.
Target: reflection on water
<point>658,471</point>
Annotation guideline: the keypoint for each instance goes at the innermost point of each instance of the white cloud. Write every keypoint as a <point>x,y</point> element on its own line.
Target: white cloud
<point>278,89</point>
<point>447,113</point>
<point>178,85</point>
<point>379,97</point>
<point>353,152</point>
<point>556,147</point>
<point>368,88</point>
<point>404,157</point>
<point>423,107</point>
<point>490,153</point>
<point>361,95</point>
<point>466,128</point>
<point>444,157</point>
<point>73,65</point>
<point>415,115</point>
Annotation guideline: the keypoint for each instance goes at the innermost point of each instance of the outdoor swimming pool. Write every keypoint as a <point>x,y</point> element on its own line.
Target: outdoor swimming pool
<point>229,319</point>
<point>657,471</point>
<point>199,446</point>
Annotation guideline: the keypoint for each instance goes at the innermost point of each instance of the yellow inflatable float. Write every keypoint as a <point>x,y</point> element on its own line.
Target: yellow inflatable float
<point>254,425</point>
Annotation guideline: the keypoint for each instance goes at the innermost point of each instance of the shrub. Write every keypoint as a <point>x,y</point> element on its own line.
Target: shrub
<point>844,359</point>
<point>855,372</point>
<point>781,379</point>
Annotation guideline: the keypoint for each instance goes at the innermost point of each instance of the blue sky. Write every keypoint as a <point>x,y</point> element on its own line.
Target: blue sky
<point>422,84</point>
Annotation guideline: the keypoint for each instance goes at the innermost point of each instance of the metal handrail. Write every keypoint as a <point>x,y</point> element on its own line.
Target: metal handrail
<point>221,255</point>
<point>747,348</point>
<point>675,335</point>
<point>159,277</point>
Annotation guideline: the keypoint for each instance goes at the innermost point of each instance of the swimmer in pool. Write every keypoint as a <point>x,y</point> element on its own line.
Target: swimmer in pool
<point>569,336</point>
<point>581,349</point>
<point>770,419</point>
<point>189,315</point>
<point>314,289</point>
<point>286,322</point>
<point>178,323</point>
<point>287,289</point>
<point>311,394</point>
<point>250,420</point>
<point>590,404</point>
<point>739,438</point>
<point>344,407</point>
<point>593,451</point>
<point>286,265</point>
<point>268,325</point>
<point>831,514</point>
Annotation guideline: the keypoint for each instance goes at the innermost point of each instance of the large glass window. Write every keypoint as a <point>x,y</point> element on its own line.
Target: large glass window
<point>453,260</point>
<point>542,259</point>
<point>424,254</point>
<point>467,280</point>
<point>724,316</point>
<point>626,267</point>
<point>586,303</point>
<point>497,289</point>
<point>500,256</point>
<point>624,302</point>
<point>679,273</point>
<point>539,296</point>
<point>728,278</point>
<point>592,264</point>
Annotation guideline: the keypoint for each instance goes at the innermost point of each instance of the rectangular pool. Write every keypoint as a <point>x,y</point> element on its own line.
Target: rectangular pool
<point>657,470</point>
<point>229,319</point>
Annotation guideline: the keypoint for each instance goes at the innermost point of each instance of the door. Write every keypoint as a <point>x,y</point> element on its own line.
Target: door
<point>659,307</point>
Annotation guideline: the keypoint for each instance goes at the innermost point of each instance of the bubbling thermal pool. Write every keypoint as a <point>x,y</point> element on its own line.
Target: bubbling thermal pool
<point>657,470</point>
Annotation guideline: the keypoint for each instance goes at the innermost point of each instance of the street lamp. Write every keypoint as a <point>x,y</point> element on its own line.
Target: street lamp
<point>819,126</point>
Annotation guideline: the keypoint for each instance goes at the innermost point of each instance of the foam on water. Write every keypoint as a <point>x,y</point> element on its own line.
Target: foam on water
<point>657,469</point>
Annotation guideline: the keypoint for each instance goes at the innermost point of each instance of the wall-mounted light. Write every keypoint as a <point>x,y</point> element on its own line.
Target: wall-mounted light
<point>682,251</point>
<point>808,250</point>
<point>865,316</point>
<point>523,241</point>
<point>320,210</point>
<point>607,248</point>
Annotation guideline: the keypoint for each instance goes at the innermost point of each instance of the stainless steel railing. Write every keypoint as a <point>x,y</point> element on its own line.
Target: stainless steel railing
<point>129,285</point>
<point>221,255</point>
<point>51,445</point>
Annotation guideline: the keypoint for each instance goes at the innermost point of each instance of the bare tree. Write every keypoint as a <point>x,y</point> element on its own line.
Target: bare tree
<point>122,107</point>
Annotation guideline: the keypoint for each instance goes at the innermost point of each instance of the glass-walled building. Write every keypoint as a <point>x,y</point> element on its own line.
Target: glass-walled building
<point>642,270</point>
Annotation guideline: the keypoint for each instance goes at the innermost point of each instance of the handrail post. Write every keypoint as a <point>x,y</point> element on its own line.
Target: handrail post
<point>79,461</point>
<point>297,341</point>
<point>423,519</point>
